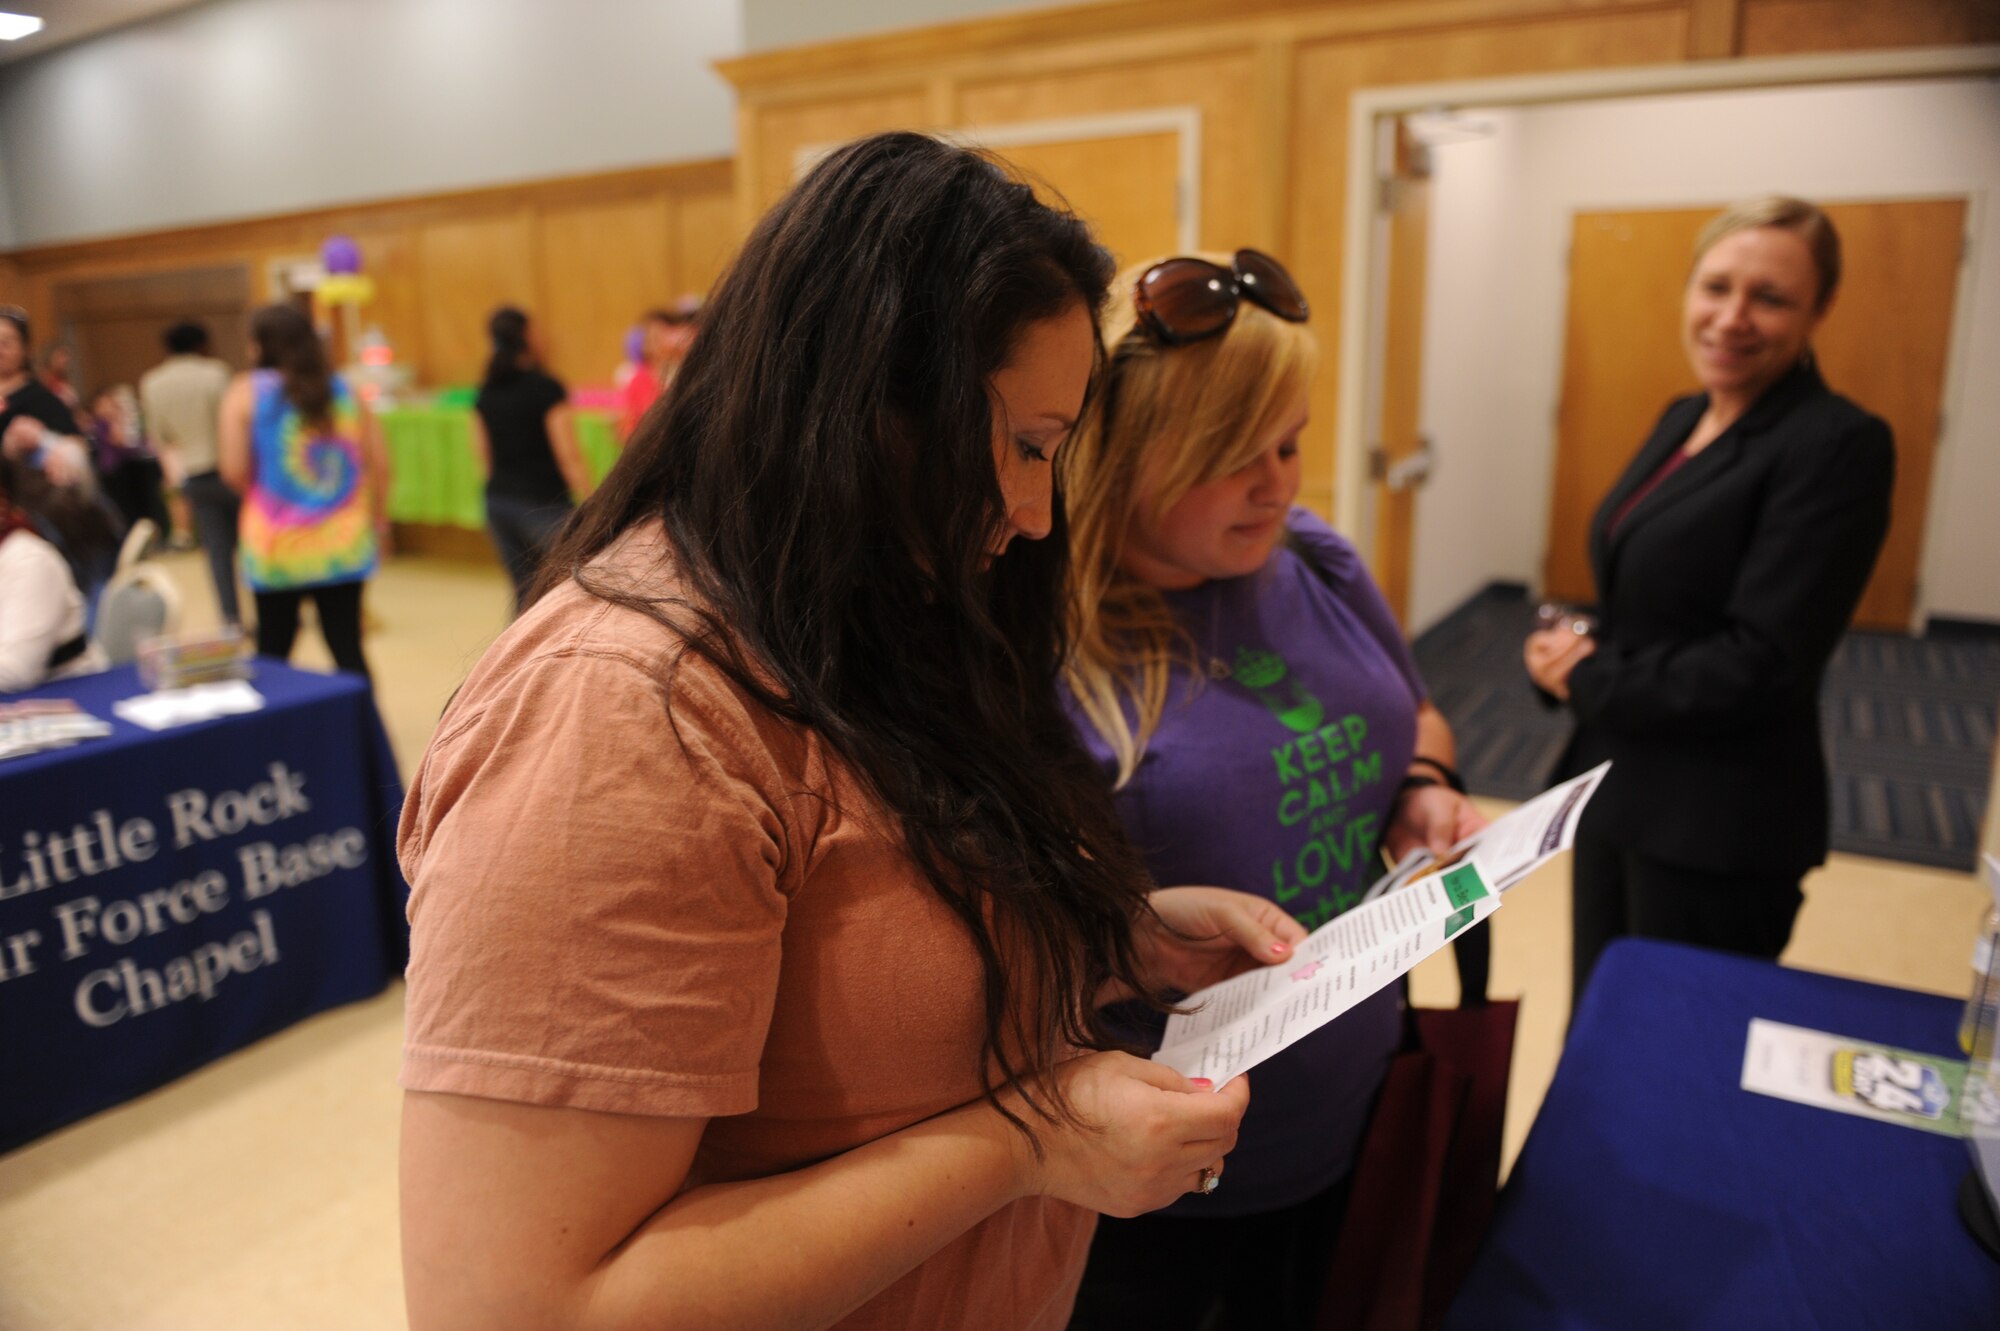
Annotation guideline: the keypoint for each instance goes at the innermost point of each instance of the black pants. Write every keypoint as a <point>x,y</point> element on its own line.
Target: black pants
<point>216,509</point>
<point>1618,893</point>
<point>134,486</point>
<point>522,530</point>
<point>1240,1273</point>
<point>339,607</point>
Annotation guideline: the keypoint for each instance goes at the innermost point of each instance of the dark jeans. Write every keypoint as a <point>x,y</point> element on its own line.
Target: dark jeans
<point>522,529</point>
<point>1617,893</point>
<point>339,607</point>
<point>216,508</point>
<point>1238,1273</point>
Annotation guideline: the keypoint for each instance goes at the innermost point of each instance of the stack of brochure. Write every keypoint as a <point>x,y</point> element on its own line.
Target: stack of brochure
<point>36,724</point>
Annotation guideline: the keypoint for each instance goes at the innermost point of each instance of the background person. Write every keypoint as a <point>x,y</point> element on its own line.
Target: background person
<point>854,890</point>
<point>1729,558</point>
<point>305,455</point>
<point>666,335</point>
<point>1240,679</point>
<point>53,481</point>
<point>525,438</point>
<point>128,471</point>
<point>41,610</point>
<point>181,400</point>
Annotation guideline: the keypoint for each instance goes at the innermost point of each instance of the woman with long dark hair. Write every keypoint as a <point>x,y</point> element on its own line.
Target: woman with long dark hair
<point>764,898</point>
<point>526,444</point>
<point>304,453</point>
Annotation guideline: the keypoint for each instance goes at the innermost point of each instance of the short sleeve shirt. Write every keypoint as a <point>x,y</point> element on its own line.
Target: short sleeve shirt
<point>638,891</point>
<point>515,413</point>
<point>1275,773</point>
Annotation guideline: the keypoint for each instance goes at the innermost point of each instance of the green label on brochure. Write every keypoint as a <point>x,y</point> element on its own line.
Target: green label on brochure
<point>1464,886</point>
<point>1458,921</point>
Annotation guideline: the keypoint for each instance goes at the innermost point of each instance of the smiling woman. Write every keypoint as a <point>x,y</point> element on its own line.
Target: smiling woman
<point>1728,560</point>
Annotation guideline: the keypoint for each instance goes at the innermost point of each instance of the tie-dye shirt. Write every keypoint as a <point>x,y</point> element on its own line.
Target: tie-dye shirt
<point>306,520</point>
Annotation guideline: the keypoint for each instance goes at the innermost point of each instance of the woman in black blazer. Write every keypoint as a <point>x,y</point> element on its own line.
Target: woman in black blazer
<point>1728,558</point>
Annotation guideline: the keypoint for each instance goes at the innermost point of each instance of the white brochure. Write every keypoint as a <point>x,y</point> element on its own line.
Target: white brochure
<point>1415,910</point>
<point>1243,1021</point>
<point>1513,845</point>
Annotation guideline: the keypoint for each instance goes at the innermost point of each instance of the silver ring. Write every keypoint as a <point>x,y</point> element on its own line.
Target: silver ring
<point>1210,1181</point>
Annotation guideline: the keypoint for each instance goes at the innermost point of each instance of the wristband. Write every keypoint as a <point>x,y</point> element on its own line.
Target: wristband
<point>1446,774</point>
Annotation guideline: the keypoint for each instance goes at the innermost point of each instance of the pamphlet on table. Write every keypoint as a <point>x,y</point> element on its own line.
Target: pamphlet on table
<point>1856,1077</point>
<point>165,708</point>
<point>1416,908</point>
<point>35,724</point>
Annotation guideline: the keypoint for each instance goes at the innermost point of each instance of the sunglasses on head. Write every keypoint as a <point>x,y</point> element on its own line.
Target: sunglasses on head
<point>1185,299</point>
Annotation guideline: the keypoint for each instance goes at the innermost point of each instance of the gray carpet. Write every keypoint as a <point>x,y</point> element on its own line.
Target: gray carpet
<point>1910,726</point>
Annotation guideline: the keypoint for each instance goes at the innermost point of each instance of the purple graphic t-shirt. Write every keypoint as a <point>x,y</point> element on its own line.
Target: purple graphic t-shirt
<point>1276,777</point>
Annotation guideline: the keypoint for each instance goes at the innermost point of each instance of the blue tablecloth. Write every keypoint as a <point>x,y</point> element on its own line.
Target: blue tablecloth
<point>168,897</point>
<point>1653,1192</point>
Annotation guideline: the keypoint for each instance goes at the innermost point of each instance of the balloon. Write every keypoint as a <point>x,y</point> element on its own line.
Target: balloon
<point>346,289</point>
<point>340,255</point>
<point>635,344</point>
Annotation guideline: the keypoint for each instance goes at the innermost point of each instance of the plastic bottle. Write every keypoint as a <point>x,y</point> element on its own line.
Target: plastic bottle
<point>1982,1009</point>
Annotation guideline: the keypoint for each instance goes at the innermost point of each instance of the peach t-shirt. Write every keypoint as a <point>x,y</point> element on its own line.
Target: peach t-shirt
<point>709,918</point>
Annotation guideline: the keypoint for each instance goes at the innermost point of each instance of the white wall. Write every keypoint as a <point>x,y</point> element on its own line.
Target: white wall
<point>242,107</point>
<point>1502,207</point>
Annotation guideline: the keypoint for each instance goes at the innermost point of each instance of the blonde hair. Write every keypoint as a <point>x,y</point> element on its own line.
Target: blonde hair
<point>1165,420</point>
<point>1802,219</point>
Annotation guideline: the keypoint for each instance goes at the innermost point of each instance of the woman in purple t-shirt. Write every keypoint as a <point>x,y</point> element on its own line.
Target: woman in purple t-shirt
<point>1245,687</point>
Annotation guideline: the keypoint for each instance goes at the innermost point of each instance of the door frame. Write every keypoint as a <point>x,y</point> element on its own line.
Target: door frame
<point>1369,108</point>
<point>1184,121</point>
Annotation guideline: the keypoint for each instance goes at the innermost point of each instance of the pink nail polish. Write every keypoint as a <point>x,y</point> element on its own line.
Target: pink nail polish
<point>1202,1082</point>
<point>1278,948</point>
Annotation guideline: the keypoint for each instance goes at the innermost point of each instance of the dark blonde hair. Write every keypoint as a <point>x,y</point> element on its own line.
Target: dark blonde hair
<point>1167,420</point>
<point>1802,219</point>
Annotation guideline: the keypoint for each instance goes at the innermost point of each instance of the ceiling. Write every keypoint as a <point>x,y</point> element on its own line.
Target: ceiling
<point>72,20</point>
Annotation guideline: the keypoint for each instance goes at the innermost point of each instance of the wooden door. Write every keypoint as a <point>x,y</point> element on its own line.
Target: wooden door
<point>1127,186</point>
<point>1400,461</point>
<point>1884,345</point>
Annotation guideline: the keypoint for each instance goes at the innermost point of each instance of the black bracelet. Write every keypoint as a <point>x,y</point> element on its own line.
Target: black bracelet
<point>1448,774</point>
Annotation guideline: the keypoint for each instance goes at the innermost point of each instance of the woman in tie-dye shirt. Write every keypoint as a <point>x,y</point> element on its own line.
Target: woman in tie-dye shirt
<point>304,453</point>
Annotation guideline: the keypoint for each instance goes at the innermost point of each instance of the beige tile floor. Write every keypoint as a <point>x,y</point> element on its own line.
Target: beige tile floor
<point>260,1192</point>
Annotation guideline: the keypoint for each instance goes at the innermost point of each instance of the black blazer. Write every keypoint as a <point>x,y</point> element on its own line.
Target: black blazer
<point>1720,599</point>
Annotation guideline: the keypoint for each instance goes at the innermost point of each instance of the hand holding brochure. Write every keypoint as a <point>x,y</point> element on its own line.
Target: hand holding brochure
<point>1406,917</point>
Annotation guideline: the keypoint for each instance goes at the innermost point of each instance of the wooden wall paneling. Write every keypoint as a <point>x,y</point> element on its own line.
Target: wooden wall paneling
<point>471,266</point>
<point>603,263</point>
<point>1329,74</point>
<point>389,255</point>
<point>783,128</point>
<point>1222,85</point>
<point>706,238</point>
<point>1715,27</point>
<point>1126,187</point>
<point>392,235</point>
<point>1792,27</point>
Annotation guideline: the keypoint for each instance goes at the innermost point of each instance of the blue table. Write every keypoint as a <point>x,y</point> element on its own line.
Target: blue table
<point>1653,1192</point>
<point>168,897</point>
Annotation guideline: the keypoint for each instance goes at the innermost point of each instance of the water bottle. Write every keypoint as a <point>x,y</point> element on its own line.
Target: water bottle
<point>1982,1009</point>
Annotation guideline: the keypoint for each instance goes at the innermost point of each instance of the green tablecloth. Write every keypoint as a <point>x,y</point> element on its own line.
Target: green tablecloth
<point>433,477</point>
